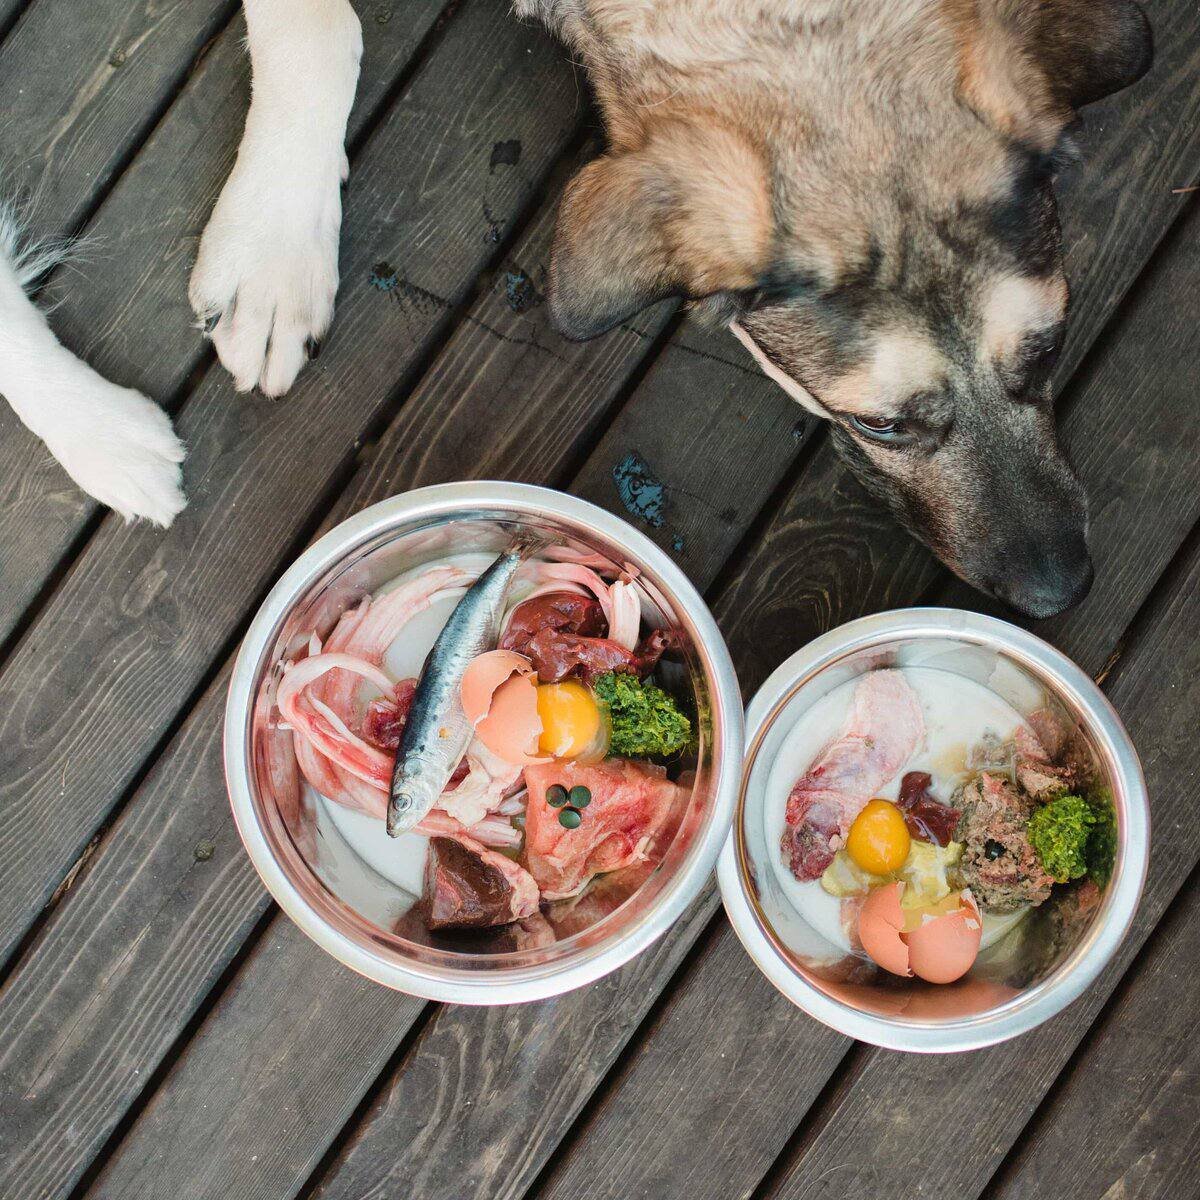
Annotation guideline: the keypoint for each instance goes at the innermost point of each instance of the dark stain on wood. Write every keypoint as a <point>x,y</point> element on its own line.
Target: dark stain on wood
<point>505,154</point>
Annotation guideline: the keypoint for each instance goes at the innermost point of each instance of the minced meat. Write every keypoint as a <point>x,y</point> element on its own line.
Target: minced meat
<point>998,863</point>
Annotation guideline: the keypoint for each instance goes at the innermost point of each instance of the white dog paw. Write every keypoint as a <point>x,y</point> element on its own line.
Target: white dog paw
<point>120,447</point>
<point>267,273</point>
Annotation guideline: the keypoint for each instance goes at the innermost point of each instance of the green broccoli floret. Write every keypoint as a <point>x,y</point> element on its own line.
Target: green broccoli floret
<point>1059,832</point>
<point>1101,849</point>
<point>645,720</point>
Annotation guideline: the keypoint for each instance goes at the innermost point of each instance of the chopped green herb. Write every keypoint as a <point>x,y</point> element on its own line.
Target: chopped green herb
<point>645,721</point>
<point>1059,832</point>
<point>570,818</point>
<point>1101,850</point>
<point>579,796</point>
<point>556,795</point>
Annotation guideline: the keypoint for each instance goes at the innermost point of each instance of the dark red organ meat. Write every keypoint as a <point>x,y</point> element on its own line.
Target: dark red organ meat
<point>565,612</point>
<point>468,886</point>
<point>927,819</point>
<point>562,633</point>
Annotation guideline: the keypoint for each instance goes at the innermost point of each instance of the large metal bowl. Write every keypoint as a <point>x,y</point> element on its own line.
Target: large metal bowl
<point>1039,968</point>
<point>314,873</point>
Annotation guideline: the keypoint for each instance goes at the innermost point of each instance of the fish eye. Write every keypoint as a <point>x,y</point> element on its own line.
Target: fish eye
<point>880,429</point>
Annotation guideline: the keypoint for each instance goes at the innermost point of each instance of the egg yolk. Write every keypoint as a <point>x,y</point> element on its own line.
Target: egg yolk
<point>878,841</point>
<point>570,719</point>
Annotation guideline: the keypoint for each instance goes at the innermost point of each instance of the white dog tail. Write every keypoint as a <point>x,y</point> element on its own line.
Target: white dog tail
<point>114,442</point>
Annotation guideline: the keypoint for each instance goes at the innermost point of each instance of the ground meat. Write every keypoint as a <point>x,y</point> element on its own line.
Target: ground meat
<point>998,863</point>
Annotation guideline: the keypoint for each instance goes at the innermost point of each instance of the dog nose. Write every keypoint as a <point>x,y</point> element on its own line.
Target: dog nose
<point>1060,583</point>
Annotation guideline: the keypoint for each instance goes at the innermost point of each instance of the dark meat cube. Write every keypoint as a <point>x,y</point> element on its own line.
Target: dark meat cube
<point>471,887</point>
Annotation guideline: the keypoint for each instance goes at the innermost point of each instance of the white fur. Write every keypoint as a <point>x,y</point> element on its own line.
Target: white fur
<point>114,442</point>
<point>267,270</point>
<point>1015,306</point>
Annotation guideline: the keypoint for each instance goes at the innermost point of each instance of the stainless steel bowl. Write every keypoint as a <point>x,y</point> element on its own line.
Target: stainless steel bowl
<point>314,873</point>
<point>1034,972</point>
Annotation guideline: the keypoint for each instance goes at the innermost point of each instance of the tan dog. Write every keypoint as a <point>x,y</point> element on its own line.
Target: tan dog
<point>863,189</point>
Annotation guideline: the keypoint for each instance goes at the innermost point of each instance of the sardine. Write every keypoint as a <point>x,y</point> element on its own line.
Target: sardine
<point>437,732</point>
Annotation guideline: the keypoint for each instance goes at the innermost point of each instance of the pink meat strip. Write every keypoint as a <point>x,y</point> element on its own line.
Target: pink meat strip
<point>634,812</point>
<point>368,630</point>
<point>882,731</point>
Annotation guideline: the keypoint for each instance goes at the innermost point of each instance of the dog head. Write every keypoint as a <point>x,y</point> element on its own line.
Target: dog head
<point>881,232</point>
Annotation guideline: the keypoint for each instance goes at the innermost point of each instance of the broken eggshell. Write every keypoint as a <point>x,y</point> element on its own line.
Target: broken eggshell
<point>499,698</point>
<point>942,948</point>
<point>938,943</point>
<point>880,924</point>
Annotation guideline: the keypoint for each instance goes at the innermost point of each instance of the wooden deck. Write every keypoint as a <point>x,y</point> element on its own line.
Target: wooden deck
<point>164,1031</point>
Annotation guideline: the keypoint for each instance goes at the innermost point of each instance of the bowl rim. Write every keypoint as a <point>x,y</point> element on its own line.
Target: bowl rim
<point>1034,1005</point>
<point>467,500</point>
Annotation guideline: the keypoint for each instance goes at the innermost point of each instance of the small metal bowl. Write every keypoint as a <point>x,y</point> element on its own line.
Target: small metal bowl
<point>331,891</point>
<point>1044,963</point>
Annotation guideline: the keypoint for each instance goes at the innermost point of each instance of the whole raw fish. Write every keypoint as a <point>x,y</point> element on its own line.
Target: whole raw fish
<point>437,732</point>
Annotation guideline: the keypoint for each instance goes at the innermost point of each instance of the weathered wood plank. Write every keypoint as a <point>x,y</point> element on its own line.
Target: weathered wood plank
<point>726,1044</point>
<point>10,11</point>
<point>1124,1120</point>
<point>161,1156</point>
<point>162,606</point>
<point>81,86</point>
<point>695,455</point>
<point>882,1136</point>
<point>117,973</point>
<point>124,308</point>
<point>1138,148</point>
<point>507,397</point>
<point>207,1133</point>
<point>169,896</point>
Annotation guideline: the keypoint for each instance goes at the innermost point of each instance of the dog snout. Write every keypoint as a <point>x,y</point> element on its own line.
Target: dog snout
<point>1045,581</point>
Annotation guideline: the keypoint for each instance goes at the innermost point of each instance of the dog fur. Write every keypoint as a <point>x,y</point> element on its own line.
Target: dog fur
<point>861,189</point>
<point>114,442</point>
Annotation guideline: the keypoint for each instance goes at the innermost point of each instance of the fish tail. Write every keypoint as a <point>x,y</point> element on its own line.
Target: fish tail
<point>526,543</point>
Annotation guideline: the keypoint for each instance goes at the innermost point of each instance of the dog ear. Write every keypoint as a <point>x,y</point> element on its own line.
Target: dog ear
<point>1027,65</point>
<point>1089,49</point>
<point>686,214</point>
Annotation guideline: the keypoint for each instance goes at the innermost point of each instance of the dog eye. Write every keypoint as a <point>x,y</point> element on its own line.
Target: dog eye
<point>880,429</point>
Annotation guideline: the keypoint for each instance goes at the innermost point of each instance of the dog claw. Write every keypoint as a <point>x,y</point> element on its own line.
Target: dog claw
<point>312,348</point>
<point>210,323</point>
